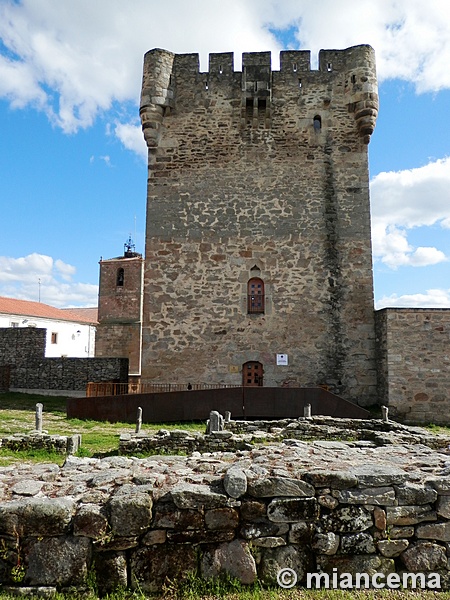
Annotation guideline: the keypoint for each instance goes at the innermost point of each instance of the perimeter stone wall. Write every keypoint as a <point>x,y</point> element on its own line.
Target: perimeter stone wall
<point>414,363</point>
<point>23,351</point>
<point>312,507</point>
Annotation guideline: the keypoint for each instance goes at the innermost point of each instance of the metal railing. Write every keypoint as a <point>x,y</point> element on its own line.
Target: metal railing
<point>106,388</point>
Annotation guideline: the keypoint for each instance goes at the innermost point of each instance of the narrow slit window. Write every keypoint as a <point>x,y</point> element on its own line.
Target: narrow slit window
<point>249,110</point>
<point>300,83</point>
<point>294,67</point>
<point>329,67</point>
<point>317,122</point>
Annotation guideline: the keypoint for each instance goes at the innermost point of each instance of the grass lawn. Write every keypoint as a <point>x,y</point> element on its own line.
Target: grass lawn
<point>17,415</point>
<point>260,594</point>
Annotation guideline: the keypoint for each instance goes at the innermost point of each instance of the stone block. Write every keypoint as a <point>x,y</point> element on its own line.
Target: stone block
<point>379,496</point>
<point>90,522</point>
<point>345,519</point>
<point>36,516</point>
<point>337,480</point>
<point>61,561</point>
<point>110,572</point>
<point>130,514</point>
<point>325,543</point>
<point>409,515</point>
<point>292,557</point>
<point>235,482</point>
<point>423,557</point>
<point>392,548</point>
<point>234,559</point>
<point>434,531</point>
<point>378,475</point>
<point>357,543</point>
<point>221,518</point>
<point>270,487</point>
<point>189,495</point>
<point>443,507</point>
<point>291,510</point>
<point>415,494</point>
<point>153,566</point>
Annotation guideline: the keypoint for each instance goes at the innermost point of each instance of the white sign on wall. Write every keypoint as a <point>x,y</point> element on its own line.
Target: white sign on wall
<point>282,359</point>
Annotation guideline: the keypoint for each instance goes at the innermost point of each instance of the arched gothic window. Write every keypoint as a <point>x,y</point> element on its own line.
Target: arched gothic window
<point>120,277</point>
<point>255,295</point>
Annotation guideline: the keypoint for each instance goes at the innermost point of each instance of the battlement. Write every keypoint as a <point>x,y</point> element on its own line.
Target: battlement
<point>175,82</point>
<point>290,60</point>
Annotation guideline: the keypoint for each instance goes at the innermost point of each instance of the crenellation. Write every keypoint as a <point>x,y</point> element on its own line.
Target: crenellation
<point>221,65</point>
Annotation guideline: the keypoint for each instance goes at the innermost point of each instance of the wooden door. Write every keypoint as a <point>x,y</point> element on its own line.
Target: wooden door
<point>252,374</point>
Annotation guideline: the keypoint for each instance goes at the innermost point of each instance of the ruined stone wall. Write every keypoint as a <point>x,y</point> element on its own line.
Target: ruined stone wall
<point>414,363</point>
<point>22,442</point>
<point>23,349</point>
<point>264,174</point>
<point>324,507</point>
<point>119,330</point>
<point>243,435</point>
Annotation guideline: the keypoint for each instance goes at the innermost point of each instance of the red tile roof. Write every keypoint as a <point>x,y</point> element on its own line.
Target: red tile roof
<point>26,308</point>
<point>84,313</point>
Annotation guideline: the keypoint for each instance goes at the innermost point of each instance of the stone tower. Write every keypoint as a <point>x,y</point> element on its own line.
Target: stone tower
<point>119,331</point>
<point>258,267</point>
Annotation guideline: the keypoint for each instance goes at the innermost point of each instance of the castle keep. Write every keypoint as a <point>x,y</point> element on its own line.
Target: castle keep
<point>258,266</point>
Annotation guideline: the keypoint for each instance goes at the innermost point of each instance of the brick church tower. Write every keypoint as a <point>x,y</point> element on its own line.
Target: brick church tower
<point>119,331</point>
<point>258,267</point>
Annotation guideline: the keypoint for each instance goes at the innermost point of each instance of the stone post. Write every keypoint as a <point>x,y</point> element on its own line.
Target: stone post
<point>214,423</point>
<point>39,408</point>
<point>139,420</point>
<point>307,411</point>
<point>227,416</point>
<point>384,414</point>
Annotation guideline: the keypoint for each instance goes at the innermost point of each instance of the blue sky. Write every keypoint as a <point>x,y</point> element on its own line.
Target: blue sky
<point>73,161</point>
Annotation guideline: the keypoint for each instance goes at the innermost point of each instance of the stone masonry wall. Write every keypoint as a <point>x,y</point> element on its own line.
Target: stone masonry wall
<point>319,507</point>
<point>260,173</point>
<point>118,333</point>
<point>23,349</point>
<point>414,363</point>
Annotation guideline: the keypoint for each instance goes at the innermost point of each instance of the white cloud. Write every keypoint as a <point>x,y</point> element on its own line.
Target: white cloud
<point>132,138</point>
<point>76,59</point>
<point>39,276</point>
<point>437,298</point>
<point>404,200</point>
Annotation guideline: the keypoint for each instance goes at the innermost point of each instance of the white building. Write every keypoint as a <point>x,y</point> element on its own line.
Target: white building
<point>70,332</point>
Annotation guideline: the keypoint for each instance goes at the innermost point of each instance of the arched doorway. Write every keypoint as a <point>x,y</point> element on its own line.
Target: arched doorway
<point>252,374</point>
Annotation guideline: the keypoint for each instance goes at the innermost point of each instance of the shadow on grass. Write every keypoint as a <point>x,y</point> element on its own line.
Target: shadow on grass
<point>19,401</point>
